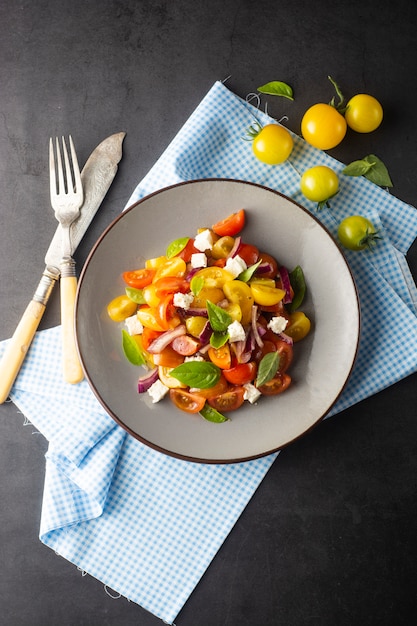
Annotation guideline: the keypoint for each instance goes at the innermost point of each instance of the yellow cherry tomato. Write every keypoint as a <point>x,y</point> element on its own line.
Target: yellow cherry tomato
<point>120,308</point>
<point>168,380</point>
<point>153,264</point>
<point>214,294</point>
<point>265,295</point>
<point>222,247</point>
<point>319,183</point>
<point>171,267</point>
<point>213,276</point>
<point>323,126</point>
<point>195,325</point>
<point>273,144</point>
<point>363,113</point>
<point>299,326</point>
<point>238,292</point>
<point>234,311</point>
<point>150,296</point>
<point>148,316</point>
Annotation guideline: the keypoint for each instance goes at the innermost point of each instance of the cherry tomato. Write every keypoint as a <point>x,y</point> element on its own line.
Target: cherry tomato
<point>273,144</point>
<point>170,284</point>
<point>165,313</point>
<point>148,336</point>
<point>231,225</point>
<point>213,276</point>
<point>139,278</point>
<point>195,325</point>
<point>172,267</point>
<point>120,308</point>
<point>357,233</point>
<point>186,401</point>
<point>220,356</point>
<point>149,318</point>
<point>271,261</point>
<point>188,251</point>
<point>214,294</point>
<point>220,387</point>
<point>222,247</point>
<point>168,380</point>
<point>319,183</point>
<point>167,358</point>
<point>363,113</point>
<point>266,295</point>
<point>238,292</point>
<point>299,326</point>
<point>284,349</point>
<point>249,253</point>
<point>277,385</point>
<point>229,400</point>
<point>323,126</point>
<point>241,373</point>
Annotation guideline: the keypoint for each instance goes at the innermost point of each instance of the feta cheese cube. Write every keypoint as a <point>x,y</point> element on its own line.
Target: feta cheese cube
<point>235,265</point>
<point>157,391</point>
<point>204,240</point>
<point>198,259</point>
<point>134,325</point>
<point>194,357</point>
<point>278,324</point>
<point>251,393</point>
<point>183,300</point>
<point>236,331</point>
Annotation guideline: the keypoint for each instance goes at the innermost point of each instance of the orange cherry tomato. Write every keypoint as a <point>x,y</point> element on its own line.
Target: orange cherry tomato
<point>138,279</point>
<point>220,387</point>
<point>186,401</point>
<point>171,284</point>
<point>167,358</point>
<point>241,373</point>
<point>231,225</point>
<point>220,356</point>
<point>148,336</point>
<point>277,385</point>
<point>229,400</point>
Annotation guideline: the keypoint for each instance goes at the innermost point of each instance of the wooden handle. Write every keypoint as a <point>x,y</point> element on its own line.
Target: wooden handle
<point>18,346</point>
<point>73,372</point>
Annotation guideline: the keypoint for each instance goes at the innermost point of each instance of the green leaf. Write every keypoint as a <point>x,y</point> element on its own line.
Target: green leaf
<point>136,295</point>
<point>196,284</point>
<point>247,274</point>
<point>372,168</point>
<point>219,318</point>
<point>176,246</point>
<point>277,88</point>
<point>132,350</point>
<point>267,369</point>
<point>217,340</point>
<point>212,415</point>
<point>201,374</point>
<point>298,284</point>
<point>357,168</point>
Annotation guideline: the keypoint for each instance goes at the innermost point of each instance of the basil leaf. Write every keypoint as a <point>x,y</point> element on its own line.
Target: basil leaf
<point>247,274</point>
<point>372,168</point>
<point>268,368</point>
<point>136,295</point>
<point>176,246</point>
<point>219,318</point>
<point>298,284</point>
<point>133,352</point>
<point>201,374</point>
<point>277,88</point>
<point>212,415</point>
<point>357,168</point>
<point>196,284</point>
<point>217,340</point>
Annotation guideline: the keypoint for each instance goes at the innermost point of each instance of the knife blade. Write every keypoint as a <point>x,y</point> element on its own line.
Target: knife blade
<point>97,176</point>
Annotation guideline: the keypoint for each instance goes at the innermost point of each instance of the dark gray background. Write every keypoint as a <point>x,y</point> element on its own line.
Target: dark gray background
<point>330,536</point>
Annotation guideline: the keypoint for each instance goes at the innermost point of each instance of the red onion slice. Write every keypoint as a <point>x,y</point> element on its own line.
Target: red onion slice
<point>255,330</point>
<point>165,339</point>
<point>148,380</point>
<point>286,285</point>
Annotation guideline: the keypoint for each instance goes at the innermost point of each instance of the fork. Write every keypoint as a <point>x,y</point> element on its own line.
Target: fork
<point>66,198</point>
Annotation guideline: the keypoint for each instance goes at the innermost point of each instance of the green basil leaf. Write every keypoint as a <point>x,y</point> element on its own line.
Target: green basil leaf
<point>268,368</point>
<point>132,350</point>
<point>136,295</point>
<point>298,284</point>
<point>217,340</point>
<point>357,168</point>
<point>247,274</point>
<point>196,284</point>
<point>378,174</point>
<point>219,318</point>
<point>212,415</point>
<point>201,374</point>
<point>176,246</point>
<point>277,88</point>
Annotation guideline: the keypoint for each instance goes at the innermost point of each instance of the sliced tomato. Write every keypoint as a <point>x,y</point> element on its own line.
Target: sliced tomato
<point>166,313</point>
<point>186,345</point>
<point>220,356</point>
<point>241,373</point>
<point>171,284</point>
<point>139,278</point>
<point>284,349</point>
<point>186,401</point>
<point>148,336</point>
<point>220,387</point>
<point>249,253</point>
<point>277,385</point>
<point>231,225</point>
<point>168,357</point>
<point>187,252</point>
<point>229,400</point>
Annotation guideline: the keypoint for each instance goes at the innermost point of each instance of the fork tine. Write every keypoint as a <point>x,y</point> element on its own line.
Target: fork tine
<point>52,175</point>
<point>76,168</point>
<point>61,182</point>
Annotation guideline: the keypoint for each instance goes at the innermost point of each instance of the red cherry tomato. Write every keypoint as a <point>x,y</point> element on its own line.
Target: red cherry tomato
<point>171,284</point>
<point>277,385</point>
<point>249,253</point>
<point>138,279</point>
<point>267,258</point>
<point>186,401</point>
<point>229,400</point>
<point>231,225</point>
<point>241,373</point>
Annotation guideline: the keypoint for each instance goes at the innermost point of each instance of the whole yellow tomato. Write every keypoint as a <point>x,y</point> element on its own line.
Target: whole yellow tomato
<point>323,126</point>
<point>363,113</point>
<point>319,183</point>
<point>273,144</point>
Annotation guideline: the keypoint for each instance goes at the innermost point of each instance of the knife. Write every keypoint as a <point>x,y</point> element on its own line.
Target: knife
<point>96,176</point>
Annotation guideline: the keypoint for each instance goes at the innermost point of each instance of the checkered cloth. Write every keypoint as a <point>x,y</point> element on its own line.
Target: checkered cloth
<point>148,525</point>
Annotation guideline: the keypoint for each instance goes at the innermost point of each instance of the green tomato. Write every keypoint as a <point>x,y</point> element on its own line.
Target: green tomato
<point>357,233</point>
<point>319,184</point>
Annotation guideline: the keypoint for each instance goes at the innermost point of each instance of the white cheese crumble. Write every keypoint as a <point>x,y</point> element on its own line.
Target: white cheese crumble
<point>198,259</point>
<point>194,357</point>
<point>183,300</point>
<point>236,332</point>
<point>235,265</point>
<point>251,393</point>
<point>278,324</point>
<point>204,240</point>
<point>157,391</point>
<point>134,325</point>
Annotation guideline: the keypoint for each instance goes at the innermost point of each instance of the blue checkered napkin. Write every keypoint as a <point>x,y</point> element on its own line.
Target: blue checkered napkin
<point>143,523</point>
